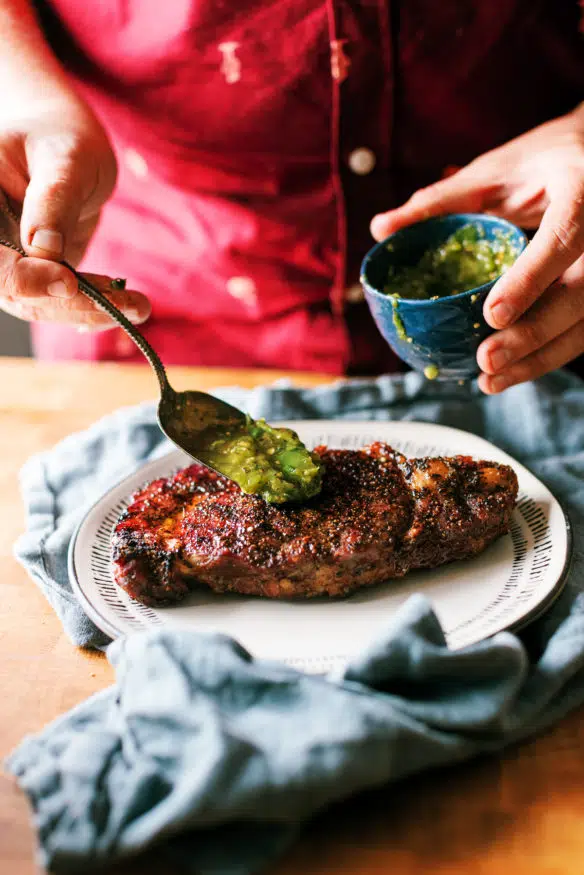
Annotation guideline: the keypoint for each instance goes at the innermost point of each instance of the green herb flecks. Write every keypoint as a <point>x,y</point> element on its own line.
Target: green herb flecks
<point>466,260</point>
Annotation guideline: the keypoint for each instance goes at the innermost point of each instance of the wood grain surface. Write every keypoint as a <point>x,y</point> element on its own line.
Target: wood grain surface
<point>521,813</point>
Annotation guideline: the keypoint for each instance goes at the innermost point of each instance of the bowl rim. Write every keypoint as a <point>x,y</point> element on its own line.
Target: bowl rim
<point>426,302</point>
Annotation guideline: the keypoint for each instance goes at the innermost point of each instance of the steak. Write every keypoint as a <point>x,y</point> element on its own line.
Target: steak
<point>378,516</point>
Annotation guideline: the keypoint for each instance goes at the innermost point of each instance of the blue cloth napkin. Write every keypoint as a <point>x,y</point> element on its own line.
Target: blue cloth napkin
<point>214,758</point>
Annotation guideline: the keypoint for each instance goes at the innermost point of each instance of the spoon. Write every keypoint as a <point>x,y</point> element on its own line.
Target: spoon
<point>191,420</point>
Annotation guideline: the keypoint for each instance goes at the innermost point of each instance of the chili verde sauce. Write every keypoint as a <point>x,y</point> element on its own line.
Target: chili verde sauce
<point>266,461</point>
<point>464,261</point>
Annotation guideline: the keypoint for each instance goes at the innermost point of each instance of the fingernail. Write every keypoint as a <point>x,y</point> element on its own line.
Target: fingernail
<point>48,241</point>
<point>133,316</point>
<point>499,358</point>
<point>497,384</point>
<point>59,289</point>
<point>503,314</point>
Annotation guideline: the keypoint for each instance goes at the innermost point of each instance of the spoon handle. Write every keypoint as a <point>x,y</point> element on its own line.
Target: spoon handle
<point>90,291</point>
<point>10,237</point>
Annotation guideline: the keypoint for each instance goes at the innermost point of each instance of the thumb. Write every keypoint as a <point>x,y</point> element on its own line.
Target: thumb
<point>60,182</point>
<point>463,192</point>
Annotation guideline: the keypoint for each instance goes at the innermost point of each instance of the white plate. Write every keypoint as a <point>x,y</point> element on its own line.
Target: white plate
<point>507,585</point>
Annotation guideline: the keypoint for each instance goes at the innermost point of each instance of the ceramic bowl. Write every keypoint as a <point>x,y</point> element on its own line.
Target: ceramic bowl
<point>439,337</point>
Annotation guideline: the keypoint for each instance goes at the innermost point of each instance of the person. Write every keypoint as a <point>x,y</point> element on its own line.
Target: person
<point>228,158</point>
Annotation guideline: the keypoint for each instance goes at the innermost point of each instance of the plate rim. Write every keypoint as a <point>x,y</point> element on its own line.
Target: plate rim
<point>104,625</point>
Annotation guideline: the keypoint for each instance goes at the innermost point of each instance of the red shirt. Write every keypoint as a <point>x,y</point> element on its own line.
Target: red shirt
<point>257,139</point>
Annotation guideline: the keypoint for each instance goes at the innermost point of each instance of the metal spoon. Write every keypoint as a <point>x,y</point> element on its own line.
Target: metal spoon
<point>192,420</point>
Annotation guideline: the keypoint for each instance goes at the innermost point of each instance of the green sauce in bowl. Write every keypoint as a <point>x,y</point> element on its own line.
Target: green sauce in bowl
<point>465,260</point>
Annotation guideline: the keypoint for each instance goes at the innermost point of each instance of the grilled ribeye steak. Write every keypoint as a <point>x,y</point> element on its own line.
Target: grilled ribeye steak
<point>378,516</point>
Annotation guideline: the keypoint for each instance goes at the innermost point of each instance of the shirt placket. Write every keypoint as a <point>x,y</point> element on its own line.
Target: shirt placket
<point>362,75</point>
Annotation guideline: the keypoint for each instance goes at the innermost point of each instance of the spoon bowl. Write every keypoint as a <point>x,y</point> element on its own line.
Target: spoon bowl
<point>194,420</point>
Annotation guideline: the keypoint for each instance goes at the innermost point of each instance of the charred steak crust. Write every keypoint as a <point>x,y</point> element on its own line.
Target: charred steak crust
<point>378,516</point>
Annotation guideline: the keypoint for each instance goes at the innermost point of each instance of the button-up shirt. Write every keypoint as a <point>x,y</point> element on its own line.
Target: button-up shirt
<point>256,140</point>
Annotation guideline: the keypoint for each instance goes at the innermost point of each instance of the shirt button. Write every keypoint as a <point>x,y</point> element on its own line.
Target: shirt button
<point>135,163</point>
<point>354,294</point>
<point>243,288</point>
<point>362,161</point>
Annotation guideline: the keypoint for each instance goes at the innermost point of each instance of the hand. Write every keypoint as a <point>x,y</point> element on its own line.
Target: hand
<point>58,168</point>
<point>536,181</point>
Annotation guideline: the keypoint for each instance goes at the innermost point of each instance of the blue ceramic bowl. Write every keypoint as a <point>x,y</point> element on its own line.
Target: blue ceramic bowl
<point>441,337</point>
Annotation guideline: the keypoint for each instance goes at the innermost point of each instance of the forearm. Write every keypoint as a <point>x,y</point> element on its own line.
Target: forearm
<point>30,74</point>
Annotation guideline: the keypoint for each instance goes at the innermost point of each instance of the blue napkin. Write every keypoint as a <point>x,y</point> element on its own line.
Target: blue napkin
<point>214,758</point>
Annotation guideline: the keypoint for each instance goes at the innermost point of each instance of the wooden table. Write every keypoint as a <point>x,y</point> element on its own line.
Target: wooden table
<point>518,814</point>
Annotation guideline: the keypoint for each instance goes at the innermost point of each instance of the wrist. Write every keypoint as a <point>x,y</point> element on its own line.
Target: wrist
<point>54,110</point>
<point>33,77</point>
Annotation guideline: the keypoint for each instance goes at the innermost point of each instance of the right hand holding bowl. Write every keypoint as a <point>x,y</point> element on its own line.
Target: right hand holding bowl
<point>411,281</point>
